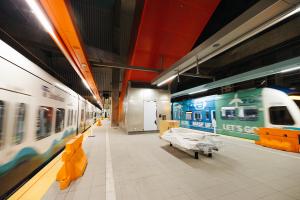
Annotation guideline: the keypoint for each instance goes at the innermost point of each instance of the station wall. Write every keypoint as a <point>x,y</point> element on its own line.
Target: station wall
<point>133,108</point>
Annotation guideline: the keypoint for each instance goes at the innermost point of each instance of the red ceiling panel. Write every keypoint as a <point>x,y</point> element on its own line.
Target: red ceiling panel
<point>167,31</point>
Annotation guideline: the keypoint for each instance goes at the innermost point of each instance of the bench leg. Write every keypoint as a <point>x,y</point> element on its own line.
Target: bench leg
<point>196,155</point>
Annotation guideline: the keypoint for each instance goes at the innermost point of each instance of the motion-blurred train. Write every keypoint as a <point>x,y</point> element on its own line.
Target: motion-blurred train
<point>38,115</point>
<point>240,113</point>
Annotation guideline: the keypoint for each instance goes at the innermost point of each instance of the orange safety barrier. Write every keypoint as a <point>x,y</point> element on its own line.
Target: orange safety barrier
<point>282,139</point>
<point>75,162</point>
<point>98,123</point>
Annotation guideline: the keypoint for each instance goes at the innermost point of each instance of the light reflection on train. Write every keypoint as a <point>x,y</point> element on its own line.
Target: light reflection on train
<point>38,115</point>
<point>240,113</point>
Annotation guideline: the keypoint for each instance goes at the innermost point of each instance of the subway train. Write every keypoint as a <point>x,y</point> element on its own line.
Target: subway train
<point>240,113</point>
<point>38,115</point>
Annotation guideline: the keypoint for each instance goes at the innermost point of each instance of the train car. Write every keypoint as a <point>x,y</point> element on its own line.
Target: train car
<point>97,114</point>
<point>240,113</point>
<point>38,115</point>
<point>196,113</point>
<point>89,115</point>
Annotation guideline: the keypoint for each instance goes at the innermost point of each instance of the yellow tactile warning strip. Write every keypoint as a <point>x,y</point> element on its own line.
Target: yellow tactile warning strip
<point>38,185</point>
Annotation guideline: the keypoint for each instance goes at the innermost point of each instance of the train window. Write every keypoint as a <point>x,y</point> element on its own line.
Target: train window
<point>68,116</point>
<point>228,113</point>
<point>188,115</point>
<point>20,124</point>
<point>297,102</point>
<point>197,116</point>
<point>279,115</point>
<point>207,114</point>
<point>2,109</point>
<point>71,118</point>
<point>82,115</point>
<point>248,114</point>
<point>75,117</point>
<point>214,114</point>
<point>44,122</point>
<point>60,120</point>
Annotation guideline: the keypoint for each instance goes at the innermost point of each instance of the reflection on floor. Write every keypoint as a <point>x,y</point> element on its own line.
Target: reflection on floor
<point>145,167</point>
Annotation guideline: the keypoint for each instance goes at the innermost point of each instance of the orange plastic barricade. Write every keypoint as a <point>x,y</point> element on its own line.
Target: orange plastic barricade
<point>98,123</point>
<point>75,162</point>
<point>282,139</point>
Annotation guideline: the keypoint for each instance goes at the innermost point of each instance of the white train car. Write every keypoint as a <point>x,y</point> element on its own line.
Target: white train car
<point>89,110</point>
<point>38,115</point>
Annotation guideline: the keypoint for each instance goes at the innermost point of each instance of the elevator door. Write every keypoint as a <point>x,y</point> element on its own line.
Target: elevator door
<point>150,116</point>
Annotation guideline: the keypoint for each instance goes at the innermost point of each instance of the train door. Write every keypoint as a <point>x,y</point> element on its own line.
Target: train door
<point>150,116</point>
<point>213,120</point>
<point>85,115</point>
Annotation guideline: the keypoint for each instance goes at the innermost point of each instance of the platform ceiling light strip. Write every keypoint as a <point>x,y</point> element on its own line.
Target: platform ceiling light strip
<point>61,19</point>
<point>167,80</point>
<point>250,75</point>
<point>290,70</point>
<point>198,91</point>
<point>87,86</point>
<point>257,19</point>
<point>40,15</point>
<point>71,56</point>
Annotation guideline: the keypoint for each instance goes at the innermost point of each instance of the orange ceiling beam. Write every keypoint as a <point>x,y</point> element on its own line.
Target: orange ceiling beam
<point>167,31</point>
<point>66,33</point>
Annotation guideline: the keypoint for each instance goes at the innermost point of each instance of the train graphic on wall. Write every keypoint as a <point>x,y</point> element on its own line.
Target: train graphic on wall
<point>38,115</point>
<point>240,113</point>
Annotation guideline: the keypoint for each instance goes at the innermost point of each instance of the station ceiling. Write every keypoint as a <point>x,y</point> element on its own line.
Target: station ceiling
<point>146,34</point>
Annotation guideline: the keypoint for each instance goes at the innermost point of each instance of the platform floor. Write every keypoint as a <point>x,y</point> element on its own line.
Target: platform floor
<point>144,167</point>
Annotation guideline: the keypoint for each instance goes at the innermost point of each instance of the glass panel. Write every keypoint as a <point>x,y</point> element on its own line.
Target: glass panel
<point>75,117</point>
<point>82,115</point>
<point>280,115</point>
<point>228,113</point>
<point>248,114</point>
<point>44,122</point>
<point>71,118</point>
<point>197,116</point>
<point>20,124</point>
<point>297,102</point>
<point>188,115</point>
<point>207,114</point>
<point>60,120</point>
<point>214,114</point>
<point>81,126</point>
<point>2,109</point>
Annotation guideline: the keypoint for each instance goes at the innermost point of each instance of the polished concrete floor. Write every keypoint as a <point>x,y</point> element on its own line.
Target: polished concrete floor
<point>142,167</point>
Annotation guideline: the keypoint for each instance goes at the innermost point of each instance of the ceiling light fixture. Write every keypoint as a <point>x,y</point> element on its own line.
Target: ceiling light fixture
<point>43,19</point>
<point>203,56</point>
<point>87,86</point>
<point>290,69</point>
<point>40,15</point>
<point>203,90</point>
<point>167,80</point>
